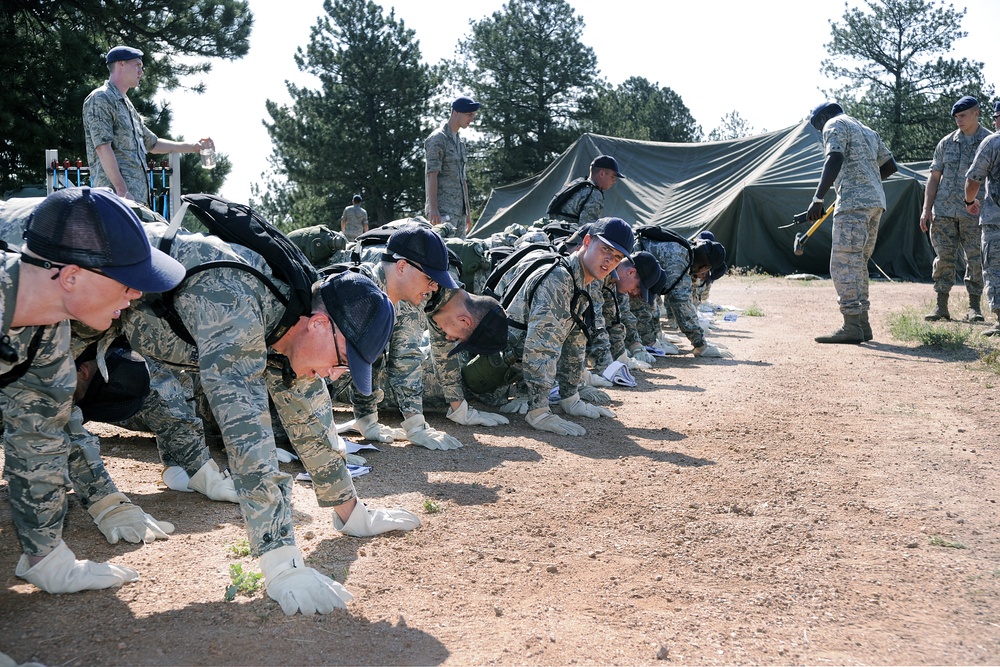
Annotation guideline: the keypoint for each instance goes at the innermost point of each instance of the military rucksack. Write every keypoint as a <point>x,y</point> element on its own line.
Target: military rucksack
<point>241,225</point>
<point>662,234</point>
<point>556,203</point>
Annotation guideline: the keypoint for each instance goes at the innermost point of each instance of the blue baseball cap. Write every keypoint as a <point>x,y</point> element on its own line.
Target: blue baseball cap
<point>607,162</point>
<point>651,277</point>
<point>364,314</point>
<point>614,232</point>
<point>964,104</point>
<point>465,105</point>
<point>122,53</point>
<point>93,228</point>
<point>425,248</point>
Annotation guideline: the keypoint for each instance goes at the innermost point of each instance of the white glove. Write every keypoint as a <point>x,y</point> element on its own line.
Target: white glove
<point>517,406</point>
<point>574,406</point>
<point>667,343</point>
<point>61,572</point>
<point>419,433</point>
<point>641,355</point>
<point>594,395</point>
<point>712,351</point>
<point>369,427</point>
<point>364,522</point>
<point>469,416</point>
<point>119,519</point>
<point>594,379</point>
<point>210,481</point>
<point>634,362</point>
<point>543,420</point>
<point>299,588</point>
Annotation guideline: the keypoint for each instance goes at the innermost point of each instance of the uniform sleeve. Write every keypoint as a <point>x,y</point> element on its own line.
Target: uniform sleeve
<point>599,346</point>
<point>435,151</point>
<point>99,113</point>
<point>593,206</point>
<point>405,374</point>
<point>679,301</point>
<point>549,325</point>
<point>87,473</point>
<point>448,369</point>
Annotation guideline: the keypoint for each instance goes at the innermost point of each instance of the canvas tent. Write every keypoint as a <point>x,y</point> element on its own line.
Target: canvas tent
<point>741,190</point>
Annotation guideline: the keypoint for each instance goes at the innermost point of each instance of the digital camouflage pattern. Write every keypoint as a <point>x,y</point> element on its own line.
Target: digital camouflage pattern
<point>986,169</point>
<point>110,118</point>
<point>673,259</point>
<point>354,220</point>
<point>229,312</point>
<point>585,205</point>
<point>36,409</point>
<point>858,208</point>
<point>552,350</point>
<point>605,316</point>
<point>446,153</point>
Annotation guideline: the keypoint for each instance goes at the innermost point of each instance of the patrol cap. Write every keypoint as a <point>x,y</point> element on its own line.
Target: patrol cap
<point>425,248</point>
<point>93,228</point>
<point>650,275</point>
<point>489,336</point>
<point>122,53</point>
<point>122,395</point>
<point>465,105</point>
<point>964,104</point>
<point>606,162</point>
<point>616,233</point>
<point>364,314</point>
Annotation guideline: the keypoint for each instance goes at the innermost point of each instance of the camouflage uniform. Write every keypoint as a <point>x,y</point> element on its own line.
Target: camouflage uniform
<point>953,227</point>
<point>552,349</point>
<point>586,205</point>
<point>354,219</point>
<point>229,312</point>
<point>647,319</point>
<point>446,154</point>
<point>986,167</point>
<point>110,118</point>
<point>36,409</point>
<point>606,306</point>
<point>624,334</point>
<point>858,208</point>
<point>674,259</point>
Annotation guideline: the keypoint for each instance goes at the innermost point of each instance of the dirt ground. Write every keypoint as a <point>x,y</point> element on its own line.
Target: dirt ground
<point>797,504</point>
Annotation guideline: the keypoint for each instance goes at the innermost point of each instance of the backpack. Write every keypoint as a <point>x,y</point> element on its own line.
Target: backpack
<point>541,260</point>
<point>556,203</point>
<point>662,234</point>
<point>6,351</point>
<point>239,224</point>
<point>380,237</point>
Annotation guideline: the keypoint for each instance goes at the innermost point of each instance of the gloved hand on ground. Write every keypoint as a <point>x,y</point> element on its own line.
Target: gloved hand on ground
<point>469,416</point>
<point>365,522</point>
<point>578,408</point>
<point>711,351</point>
<point>640,354</point>
<point>298,588</point>
<point>543,420</point>
<point>634,363</point>
<point>516,406</point>
<point>594,395</point>
<point>370,428</point>
<point>60,572</point>
<point>420,433</point>
<point>211,482</point>
<point>118,519</point>
<point>595,379</point>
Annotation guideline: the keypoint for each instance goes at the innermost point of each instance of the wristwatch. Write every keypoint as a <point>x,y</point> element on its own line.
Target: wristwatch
<point>969,203</point>
<point>817,200</point>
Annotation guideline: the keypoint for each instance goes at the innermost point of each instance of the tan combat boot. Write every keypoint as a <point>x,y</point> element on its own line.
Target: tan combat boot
<point>850,333</point>
<point>975,313</point>
<point>940,311</point>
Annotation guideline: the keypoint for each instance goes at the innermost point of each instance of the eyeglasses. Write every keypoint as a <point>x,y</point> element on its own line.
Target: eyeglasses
<point>336,348</point>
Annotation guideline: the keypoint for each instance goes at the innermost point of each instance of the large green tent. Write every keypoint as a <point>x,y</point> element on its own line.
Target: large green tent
<point>741,190</point>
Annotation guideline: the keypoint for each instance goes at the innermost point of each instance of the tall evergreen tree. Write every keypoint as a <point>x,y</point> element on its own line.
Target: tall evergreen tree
<point>528,67</point>
<point>361,131</point>
<point>732,126</point>
<point>53,56</point>
<point>898,80</point>
<point>638,109</point>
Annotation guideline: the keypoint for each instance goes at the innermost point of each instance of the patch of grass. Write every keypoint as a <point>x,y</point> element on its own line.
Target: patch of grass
<point>748,272</point>
<point>243,583</point>
<point>991,359</point>
<point>431,507</point>
<point>753,310</point>
<point>239,549</point>
<point>909,325</point>
<point>938,541</point>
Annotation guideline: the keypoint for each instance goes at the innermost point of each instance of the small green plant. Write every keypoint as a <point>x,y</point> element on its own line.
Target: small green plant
<point>239,549</point>
<point>753,310</point>
<point>909,325</point>
<point>938,541</point>
<point>244,583</point>
<point>431,507</point>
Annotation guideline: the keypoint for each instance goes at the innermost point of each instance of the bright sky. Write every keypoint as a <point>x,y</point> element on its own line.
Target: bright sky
<point>761,59</point>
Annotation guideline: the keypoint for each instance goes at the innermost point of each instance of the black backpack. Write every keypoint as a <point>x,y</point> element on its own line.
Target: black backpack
<point>556,203</point>
<point>239,224</point>
<point>546,260</point>
<point>662,234</point>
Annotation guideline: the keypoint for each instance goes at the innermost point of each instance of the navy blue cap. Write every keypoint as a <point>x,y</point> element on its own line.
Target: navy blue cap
<point>465,105</point>
<point>616,233</point>
<point>122,53</point>
<point>829,108</point>
<point>424,247</point>
<point>650,275</point>
<point>489,336</point>
<point>93,228</point>
<point>996,109</point>
<point>707,235</point>
<point>364,314</point>
<point>964,104</point>
<point>606,162</point>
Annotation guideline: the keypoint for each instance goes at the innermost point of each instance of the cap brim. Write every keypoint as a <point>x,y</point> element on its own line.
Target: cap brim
<point>361,370</point>
<point>605,241</point>
<point>159,273</point>
<point>442,278</point>
<point>489,337</point>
